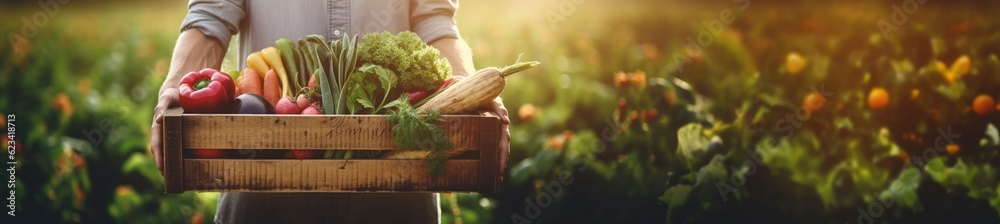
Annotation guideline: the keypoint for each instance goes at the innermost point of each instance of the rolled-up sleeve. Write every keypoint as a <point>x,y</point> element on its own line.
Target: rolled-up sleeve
<point>434,19</point>
<point>218,19</point>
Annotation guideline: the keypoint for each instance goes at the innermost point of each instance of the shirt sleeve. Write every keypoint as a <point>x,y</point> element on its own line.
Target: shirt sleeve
<point>218,19</point>
<point>433,19</point>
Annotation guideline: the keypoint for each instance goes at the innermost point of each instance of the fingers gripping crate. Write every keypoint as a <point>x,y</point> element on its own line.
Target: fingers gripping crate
<point>320,132</point>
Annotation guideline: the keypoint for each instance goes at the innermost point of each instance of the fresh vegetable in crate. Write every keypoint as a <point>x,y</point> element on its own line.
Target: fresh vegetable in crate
<point>417,65</point>
<point>382,73</point>
<point>206,91</point>
<point>473,91</point>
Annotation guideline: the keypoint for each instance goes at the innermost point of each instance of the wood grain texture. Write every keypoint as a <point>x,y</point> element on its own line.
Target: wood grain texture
<point>233,175</point>
<point>317,132</point>
<point>172,152</point>
<point>489,157</point>
<point>321,132</point>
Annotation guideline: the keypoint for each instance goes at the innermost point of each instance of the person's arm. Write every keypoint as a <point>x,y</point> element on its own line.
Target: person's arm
<point>434,21</point>
<point>458,53</point>
<point>204,38</point>
<point>194,51</point>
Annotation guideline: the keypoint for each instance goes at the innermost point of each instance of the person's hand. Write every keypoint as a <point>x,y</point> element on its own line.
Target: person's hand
<point>169,98</point>
<point>496,106</point>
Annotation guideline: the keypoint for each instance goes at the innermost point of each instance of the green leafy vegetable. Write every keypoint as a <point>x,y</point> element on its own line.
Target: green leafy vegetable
<point>418,65</point>
<point>420,132</point>
<point>363,90</point>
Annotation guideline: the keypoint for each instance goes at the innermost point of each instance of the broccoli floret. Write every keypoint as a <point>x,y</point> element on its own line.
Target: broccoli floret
<point>418,65</point>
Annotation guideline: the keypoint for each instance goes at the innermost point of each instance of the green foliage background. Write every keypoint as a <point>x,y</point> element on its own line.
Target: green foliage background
<point>95,68</point>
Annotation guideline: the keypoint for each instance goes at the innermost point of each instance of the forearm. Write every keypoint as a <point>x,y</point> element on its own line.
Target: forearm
<point>458,53</point>
<point>194,51</point>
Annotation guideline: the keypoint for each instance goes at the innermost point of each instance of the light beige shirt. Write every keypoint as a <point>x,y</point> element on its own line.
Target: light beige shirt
<point>261,22</point>
<point>258,24</point>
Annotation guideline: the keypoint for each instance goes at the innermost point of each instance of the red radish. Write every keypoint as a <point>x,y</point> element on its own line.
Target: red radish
<point>310,110</point>
<point>417,96</point>
<point>302,101</point>
<point>305,154</point>
<point>312,81</point>
<point>286,106</point>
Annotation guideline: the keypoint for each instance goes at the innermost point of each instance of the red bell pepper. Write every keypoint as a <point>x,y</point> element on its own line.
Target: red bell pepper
<point>207,91</point>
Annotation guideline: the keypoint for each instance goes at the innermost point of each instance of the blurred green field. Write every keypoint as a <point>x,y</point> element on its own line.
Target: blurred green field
<point>623,123</point>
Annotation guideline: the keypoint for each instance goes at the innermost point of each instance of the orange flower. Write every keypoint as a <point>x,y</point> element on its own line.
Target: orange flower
<point>983,104</point>
<point>633,115</point>
<point>63,104</point>
<point>794,63</point>
<point>197,218</point>
<point>961,66</point>
<point>567,134</point>
<point>123,190</point>
<point>949,77</point>
<point>670,97</point>
<point>78,161</point>
<point>940,66</point>
<point>952,149</point>
<point>638,78</point>
<point>527,112</point>
<point>878,99</point>
<point>813,102</point>
<point>621,79</point>
<point>557,142</point>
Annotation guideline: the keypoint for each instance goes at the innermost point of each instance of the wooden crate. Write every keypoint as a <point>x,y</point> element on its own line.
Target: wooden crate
<point>320,132</point>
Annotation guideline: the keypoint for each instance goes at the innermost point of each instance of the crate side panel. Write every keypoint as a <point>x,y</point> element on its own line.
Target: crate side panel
<point>331,176</point>
<point>204,131</point>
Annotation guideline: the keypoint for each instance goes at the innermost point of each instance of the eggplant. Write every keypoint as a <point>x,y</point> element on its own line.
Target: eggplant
<point>249,103</point>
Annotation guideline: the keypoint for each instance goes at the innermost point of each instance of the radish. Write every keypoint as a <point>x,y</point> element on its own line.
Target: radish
<point>286,106</point>
<point>302,101</point>
<point>310,110</point>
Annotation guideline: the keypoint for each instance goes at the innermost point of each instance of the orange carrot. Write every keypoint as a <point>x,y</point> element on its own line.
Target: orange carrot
<point>249,82</point>
<point>272,87</point>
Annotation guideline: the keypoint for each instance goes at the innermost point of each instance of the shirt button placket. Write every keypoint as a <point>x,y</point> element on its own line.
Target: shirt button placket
<point>340,14</point>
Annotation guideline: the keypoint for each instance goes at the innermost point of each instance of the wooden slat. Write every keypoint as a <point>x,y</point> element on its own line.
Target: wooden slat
<point>173,169</point>
<point>186,131</point>
<point>489,154</point>
<point>356,176</point>
<point>318,132</point>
